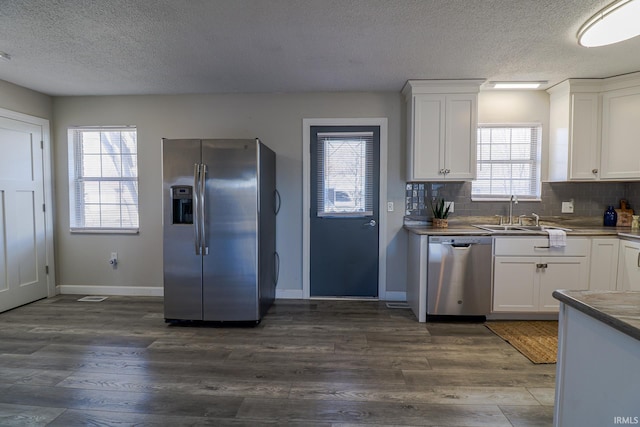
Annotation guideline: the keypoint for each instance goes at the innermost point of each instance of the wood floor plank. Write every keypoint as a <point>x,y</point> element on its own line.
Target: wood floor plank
<point>543,377</point>
<point>120,401</point>
<point>341,411</point>
<point>528,416</point>
<point>546,396</point>
<point>176,384</point>
<point>104,418</point>
<point>22,415</point>
<point>435,395</point>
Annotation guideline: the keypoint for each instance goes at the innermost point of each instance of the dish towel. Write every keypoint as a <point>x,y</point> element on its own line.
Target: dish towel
<point>557,238</point>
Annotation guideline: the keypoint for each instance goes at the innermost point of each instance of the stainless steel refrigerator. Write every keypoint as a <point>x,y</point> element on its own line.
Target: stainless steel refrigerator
<point>219,221</point>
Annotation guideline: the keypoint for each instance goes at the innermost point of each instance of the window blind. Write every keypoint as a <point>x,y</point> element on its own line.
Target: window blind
<point>345,174</point>
<point>508,161</point>
<point>103,179</point>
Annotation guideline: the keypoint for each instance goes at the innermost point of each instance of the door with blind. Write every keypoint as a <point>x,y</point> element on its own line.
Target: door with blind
<point>22,220</point>
<point>345,181</point>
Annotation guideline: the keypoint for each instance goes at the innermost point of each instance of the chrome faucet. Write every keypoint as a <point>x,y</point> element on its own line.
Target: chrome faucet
<point>537,217</point>
<point>513,200</point>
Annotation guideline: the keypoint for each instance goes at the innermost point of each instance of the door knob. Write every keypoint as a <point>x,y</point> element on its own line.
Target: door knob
<point>371,223</point>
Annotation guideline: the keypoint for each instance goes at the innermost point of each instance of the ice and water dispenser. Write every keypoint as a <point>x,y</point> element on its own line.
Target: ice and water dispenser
<point>182,196</point>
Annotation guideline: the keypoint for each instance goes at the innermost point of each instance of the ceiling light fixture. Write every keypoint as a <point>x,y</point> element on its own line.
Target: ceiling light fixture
<point>615,23</point>
<point>5,56</point>
<point>516,85</point>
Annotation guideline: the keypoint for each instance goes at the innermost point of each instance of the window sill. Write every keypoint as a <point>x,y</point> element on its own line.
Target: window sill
<point>104,231</point>
<point>502,199</point>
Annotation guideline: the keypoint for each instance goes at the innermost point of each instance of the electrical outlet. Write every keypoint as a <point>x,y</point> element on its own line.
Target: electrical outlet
<point>389,206</point>
<point>567,207</point>
<point>449,205</point>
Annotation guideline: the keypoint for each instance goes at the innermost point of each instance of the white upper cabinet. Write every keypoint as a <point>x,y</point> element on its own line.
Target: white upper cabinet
<point>620,134</point>
<point>593,129</point>
<point>574,134</point>
<point>442,118</point>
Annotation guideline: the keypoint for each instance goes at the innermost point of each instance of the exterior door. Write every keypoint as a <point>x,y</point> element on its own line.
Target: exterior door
<point>345,179</point>
<point>22,219</point>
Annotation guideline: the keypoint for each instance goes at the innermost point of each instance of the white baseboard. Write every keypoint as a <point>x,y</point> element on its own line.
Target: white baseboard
<point>158,291</point>
<point>148,291</point>
<point>394,296</point>
<point>289,294</point>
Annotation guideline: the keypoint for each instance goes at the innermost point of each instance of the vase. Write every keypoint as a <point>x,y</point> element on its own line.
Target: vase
<point>610,217</point>
<point>440,222</point>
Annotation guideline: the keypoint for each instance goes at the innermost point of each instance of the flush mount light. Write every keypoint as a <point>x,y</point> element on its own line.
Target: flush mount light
<point>613,24</point>
<point>516,85</point>
<point>5,56</point>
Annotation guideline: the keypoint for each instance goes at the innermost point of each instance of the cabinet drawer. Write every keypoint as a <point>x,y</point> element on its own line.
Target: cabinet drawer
<point>539,246</point>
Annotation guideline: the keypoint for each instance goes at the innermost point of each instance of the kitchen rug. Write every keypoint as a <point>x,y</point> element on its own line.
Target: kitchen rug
<point>535,339</point>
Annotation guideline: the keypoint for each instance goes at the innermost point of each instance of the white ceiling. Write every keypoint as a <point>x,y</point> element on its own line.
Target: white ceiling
<point>105,47</point>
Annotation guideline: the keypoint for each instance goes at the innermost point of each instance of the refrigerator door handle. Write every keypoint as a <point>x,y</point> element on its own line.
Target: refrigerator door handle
<point>196,210</point>
<point>277,201</point>
<point>203,234</point>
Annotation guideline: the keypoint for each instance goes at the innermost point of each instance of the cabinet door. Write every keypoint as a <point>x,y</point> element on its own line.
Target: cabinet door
<point>426,155</point>
<point>460,138</point>
<point>620,130</point>
<point>584,137</point>
<point>603,274</point>
<point>629,266</point>
<point>515,284</point>
<point>560,273</point>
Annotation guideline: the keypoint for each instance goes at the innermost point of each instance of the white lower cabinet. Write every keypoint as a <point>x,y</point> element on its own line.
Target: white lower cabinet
<point>629,266</point>
<point>526,271</point>
<point>603,273</point>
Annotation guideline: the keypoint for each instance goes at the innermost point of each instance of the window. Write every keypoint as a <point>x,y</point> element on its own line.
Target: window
<point>345,173</point>
<point>508,162</point>
<point>103,179</point>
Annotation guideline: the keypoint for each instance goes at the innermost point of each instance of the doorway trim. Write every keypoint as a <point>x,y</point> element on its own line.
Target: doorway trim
<point>43,124</point>
<point>382,122</point>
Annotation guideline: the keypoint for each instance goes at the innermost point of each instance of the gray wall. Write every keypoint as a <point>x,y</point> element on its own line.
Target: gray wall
<point>25,101</point>
<point>275,118</point>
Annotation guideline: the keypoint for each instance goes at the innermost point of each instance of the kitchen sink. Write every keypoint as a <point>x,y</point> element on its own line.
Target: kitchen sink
<point>518,228</point>
<point>494,227</point>
<point>542,228</point>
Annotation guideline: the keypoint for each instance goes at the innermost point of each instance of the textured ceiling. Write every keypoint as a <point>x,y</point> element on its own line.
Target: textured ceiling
<point>103,47</point>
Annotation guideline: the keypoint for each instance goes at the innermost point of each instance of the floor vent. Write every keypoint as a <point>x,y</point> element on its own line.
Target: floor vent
<point>93,299</point>
<point>397,305</point>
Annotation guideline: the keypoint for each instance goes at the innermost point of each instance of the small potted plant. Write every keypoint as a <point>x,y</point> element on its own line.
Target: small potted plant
<point>440,213</point>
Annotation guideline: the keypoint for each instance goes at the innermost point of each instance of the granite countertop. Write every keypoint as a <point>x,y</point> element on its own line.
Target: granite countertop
<point>618,309</point>
<point>578,226</point>
<point>469,229</point>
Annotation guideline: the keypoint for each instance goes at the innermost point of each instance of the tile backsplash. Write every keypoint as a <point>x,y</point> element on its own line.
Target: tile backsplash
<point>590,199</point>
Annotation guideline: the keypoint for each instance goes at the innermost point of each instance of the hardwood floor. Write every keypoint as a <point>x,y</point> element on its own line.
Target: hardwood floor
<point>322,363</point>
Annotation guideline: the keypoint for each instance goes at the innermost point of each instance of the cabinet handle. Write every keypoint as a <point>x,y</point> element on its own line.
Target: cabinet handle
<point>594,171</point>
<point>541,265</point>
<point>638,262</point>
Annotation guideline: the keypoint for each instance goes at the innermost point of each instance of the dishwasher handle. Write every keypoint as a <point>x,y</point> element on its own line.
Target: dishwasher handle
<point>458,245</point>
<point>461,245</point>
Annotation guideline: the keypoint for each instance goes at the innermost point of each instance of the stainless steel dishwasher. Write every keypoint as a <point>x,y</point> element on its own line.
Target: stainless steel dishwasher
<point>459,276</point>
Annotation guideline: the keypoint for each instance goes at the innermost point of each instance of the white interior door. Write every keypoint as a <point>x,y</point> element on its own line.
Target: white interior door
<point>22,220</point>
